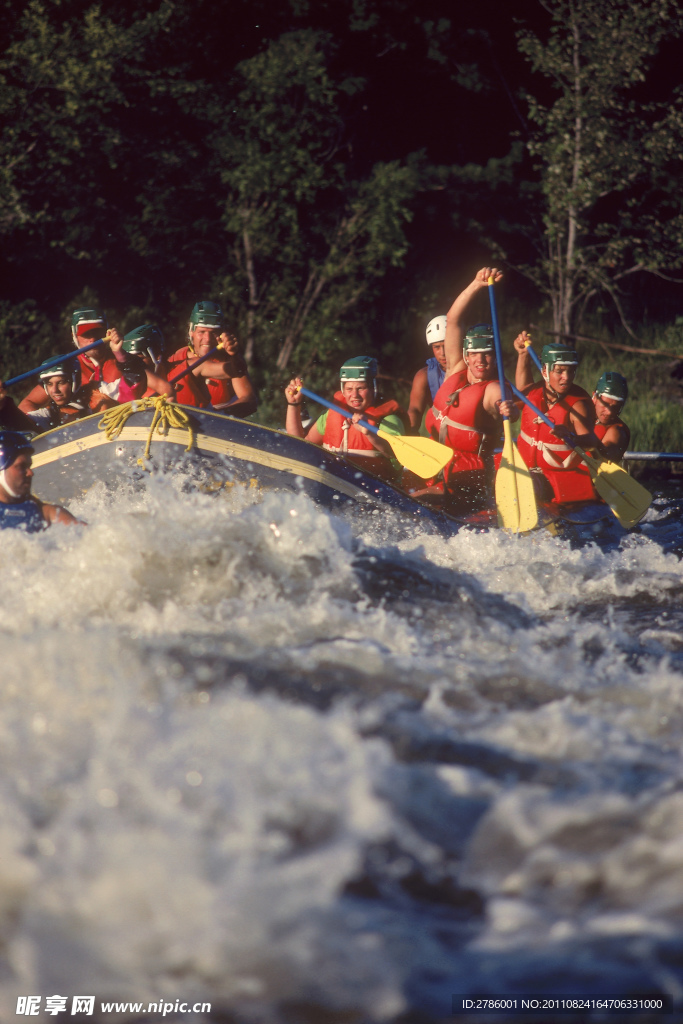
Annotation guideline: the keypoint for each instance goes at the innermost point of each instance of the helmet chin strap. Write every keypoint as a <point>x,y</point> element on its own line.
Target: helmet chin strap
<point>6,487</point>
<point>546,377</point>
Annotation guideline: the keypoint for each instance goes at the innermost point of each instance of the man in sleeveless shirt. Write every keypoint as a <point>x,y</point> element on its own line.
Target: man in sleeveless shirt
<point>430,377</point>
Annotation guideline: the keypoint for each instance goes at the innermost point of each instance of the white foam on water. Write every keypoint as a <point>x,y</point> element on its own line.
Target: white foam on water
<point>156,838</point>
<point>170,830</point>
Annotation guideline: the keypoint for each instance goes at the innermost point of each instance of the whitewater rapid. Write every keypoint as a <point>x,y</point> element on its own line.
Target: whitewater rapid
<point>315,768</point>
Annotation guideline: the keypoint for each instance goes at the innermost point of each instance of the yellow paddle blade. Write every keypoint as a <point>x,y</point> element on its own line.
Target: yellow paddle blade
<point>515,498</point>
<point>421,455</point>
<point>628,499</point>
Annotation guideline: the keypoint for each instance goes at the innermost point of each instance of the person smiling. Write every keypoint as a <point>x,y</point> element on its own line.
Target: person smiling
<point>220,382</point>
<point>468,409</point>
<point>348,437</point>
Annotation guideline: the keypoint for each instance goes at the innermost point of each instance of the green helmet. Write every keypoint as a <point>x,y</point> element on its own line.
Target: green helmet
<point>359,368</point>
<point>69,369</point>
<point>147,339</point>
<point>556,353</point>
<point>206,314</point>
<point>612,385</point>
<point>84,320</point>
<point>479,338</point>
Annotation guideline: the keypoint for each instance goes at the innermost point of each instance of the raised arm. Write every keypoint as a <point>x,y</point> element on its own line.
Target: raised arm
<point>456,320</point>
<point>524,374</point>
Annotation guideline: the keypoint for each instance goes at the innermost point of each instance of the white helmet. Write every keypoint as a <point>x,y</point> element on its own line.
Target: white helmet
<point>436,330</point>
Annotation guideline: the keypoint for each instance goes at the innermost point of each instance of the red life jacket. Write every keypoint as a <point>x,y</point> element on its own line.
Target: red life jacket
<point>106,376</point>
<point>565,471</point>
<point>344,438</point>
<point>457,419</point>
<point>190,390</point>
<point>221,392</point>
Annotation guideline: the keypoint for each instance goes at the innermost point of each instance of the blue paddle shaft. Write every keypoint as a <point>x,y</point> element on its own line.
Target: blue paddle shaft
<point>653,456</point>
<point>337,408</point>
<point>496,342</point>
<point>539,364</point>
<point>52,362</point>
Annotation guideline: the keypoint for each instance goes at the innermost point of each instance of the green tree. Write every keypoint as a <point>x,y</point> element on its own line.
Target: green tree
<point>609,166</point>
<point>305,238</point>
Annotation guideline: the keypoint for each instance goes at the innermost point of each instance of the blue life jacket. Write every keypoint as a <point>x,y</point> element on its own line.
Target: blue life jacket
<point>435,375</point>
<point>23,515</point>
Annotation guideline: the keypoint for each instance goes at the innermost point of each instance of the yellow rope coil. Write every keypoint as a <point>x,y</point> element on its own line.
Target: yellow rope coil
<point>166,415</point>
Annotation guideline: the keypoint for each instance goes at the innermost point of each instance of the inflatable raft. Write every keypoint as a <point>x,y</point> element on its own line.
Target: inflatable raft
<point>219,451</point>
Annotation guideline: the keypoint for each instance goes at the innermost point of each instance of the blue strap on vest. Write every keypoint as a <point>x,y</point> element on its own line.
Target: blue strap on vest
<point>24,515</point>
<point>435,375</point>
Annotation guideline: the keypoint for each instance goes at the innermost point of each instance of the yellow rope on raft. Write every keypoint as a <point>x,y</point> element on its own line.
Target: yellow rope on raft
<point>166,414</point>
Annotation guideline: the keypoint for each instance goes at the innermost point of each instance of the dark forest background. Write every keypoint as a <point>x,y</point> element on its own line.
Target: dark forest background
<point>334,172</point>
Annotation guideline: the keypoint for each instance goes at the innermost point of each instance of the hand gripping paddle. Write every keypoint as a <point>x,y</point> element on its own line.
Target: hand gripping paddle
<point>515,498</point>
<point>421,455</point>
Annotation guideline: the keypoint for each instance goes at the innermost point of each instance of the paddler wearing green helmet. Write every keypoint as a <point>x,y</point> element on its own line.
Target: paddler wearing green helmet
<point>221,382</point>
<point>560,474</point>
<point>61,382</point>
<point>468,409</point>
<point>100,366</point>
<point>358,394</point>
<point>144,350</point>
<point>609,398</point>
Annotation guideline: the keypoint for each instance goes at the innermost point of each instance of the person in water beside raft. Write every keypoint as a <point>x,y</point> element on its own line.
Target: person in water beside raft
<point>560,475</point>
<point>220,383</point>
<point>347,437</point>
<point>19,509</point>
<point>430,377</point>
<point>468,408</point>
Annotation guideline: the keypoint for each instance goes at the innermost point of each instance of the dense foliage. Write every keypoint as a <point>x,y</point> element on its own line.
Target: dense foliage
<point>332,173</point>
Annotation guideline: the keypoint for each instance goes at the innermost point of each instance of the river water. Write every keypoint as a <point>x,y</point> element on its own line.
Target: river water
<point>316,769</point>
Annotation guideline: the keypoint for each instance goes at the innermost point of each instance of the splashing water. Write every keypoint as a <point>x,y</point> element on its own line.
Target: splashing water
<point>307,767</point>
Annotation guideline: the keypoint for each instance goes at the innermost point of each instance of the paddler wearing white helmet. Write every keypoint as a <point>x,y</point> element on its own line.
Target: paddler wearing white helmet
<point>332,431</point>
<point>429,377</point>
<point>19,509</point>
